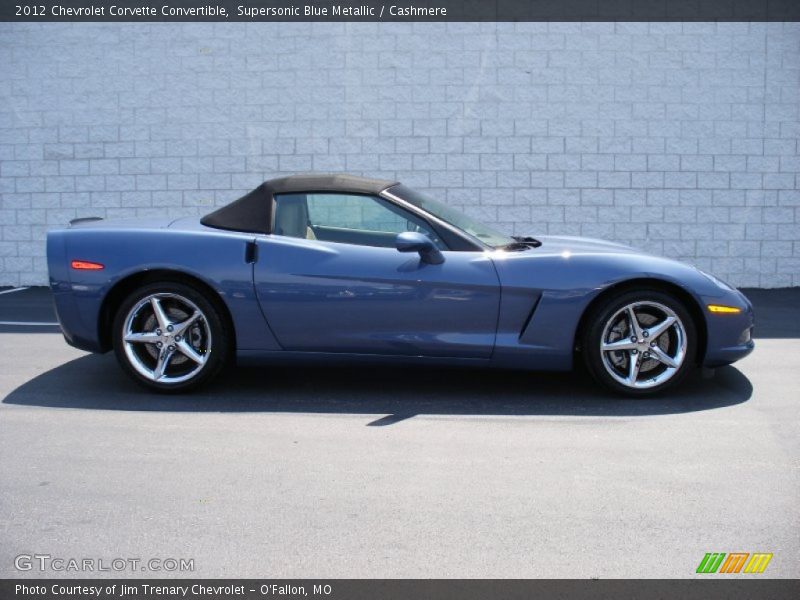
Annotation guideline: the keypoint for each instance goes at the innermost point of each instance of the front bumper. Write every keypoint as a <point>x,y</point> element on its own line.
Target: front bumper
<point>730,336</point>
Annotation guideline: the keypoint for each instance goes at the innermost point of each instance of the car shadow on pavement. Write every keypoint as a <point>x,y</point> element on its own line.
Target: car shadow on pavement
<point>96,382</point>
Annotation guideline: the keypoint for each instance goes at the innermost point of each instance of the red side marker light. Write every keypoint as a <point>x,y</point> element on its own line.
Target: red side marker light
<point>85,265</point>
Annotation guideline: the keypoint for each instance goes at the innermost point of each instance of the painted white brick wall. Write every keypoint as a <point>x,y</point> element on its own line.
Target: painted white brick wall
<point>678,138</point>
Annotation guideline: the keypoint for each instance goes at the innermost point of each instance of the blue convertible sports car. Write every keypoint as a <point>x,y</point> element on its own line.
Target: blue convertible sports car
<point>334,267</point>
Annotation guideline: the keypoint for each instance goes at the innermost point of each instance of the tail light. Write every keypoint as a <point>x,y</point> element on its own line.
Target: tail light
<point>85,265</point>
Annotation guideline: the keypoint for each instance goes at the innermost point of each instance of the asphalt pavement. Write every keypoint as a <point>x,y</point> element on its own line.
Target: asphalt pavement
<point>322,472</point>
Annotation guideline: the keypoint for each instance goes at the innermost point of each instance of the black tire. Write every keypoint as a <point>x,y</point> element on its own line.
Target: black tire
<point>605,311</point>
<point>212,326</point>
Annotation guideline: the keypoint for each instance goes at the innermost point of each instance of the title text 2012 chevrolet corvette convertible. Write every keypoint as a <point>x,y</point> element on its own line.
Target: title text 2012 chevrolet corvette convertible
<point>334,267</point>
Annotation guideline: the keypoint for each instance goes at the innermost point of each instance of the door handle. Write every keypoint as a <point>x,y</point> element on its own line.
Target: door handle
<point>251,252</point>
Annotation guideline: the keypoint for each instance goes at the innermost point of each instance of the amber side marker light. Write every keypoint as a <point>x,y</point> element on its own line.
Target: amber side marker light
<point>719,308</point>
<point>85,265</point>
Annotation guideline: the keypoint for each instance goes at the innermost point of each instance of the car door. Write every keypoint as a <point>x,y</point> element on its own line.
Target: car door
<point>331,280</point>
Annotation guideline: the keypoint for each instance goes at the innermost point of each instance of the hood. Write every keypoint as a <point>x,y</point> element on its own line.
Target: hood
<point>554,244</point>
<point>573,263</point>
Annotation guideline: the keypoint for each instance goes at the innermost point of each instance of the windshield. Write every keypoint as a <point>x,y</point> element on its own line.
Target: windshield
<point>484,233</point>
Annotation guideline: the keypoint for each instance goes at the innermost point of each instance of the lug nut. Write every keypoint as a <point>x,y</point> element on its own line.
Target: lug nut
<point>634,351</point>
<point>652,344</point>
<point>633,339</point>
<point>646,355</point>
<point>177,338</point>
<point>159,344</point>
<point>645,334</point>
<point>169,327</point>
<point>158,332</point>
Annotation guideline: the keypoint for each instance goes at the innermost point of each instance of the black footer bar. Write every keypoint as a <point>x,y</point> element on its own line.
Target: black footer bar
<point>395,589</point>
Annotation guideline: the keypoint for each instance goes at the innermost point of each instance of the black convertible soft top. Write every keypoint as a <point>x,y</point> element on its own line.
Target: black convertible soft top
<point>253,211</point>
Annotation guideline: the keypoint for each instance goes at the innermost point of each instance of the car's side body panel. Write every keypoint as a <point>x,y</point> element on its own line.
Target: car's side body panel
<point>216,258</point>
<point>330,297</point>
<point>546,291</point>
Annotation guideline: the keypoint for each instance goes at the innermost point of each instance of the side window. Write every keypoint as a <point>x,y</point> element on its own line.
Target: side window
<point>346,218</point>
<point>353,212</point>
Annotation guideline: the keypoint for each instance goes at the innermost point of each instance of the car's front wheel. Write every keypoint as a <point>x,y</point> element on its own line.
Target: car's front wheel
<point>170,337</point>
<point>640,342</point>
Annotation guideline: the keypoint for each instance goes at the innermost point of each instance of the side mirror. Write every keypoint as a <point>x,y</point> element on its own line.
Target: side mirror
<point>412,241</point>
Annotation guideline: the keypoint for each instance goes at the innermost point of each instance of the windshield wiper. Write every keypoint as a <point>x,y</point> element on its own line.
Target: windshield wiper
<point>526,239</point>
<point>521,243</point>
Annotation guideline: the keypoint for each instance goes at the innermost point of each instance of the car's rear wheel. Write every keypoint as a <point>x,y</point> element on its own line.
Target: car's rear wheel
<point>640,342</point>
<point>170,337</point>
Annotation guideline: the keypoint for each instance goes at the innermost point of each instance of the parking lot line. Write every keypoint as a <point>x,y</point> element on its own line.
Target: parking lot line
<point>12,290</point>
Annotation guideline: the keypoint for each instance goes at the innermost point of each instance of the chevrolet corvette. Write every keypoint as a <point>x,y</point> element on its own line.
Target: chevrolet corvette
<point>347,269</point>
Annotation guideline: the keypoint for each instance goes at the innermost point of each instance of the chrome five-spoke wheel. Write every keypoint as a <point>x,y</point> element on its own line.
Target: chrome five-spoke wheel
<point>643,344</point>
<point>171,336</point>
<point>640,342</point>
<point>166,338</point>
